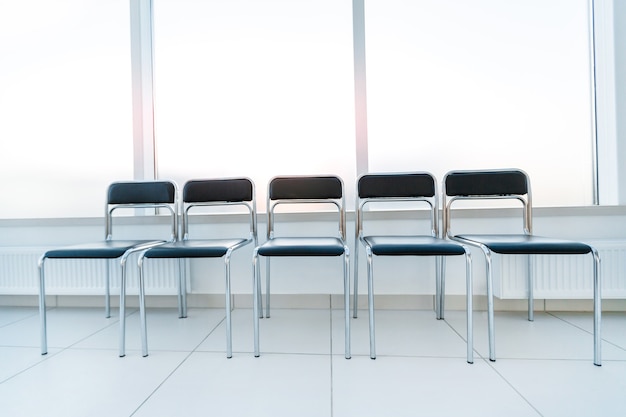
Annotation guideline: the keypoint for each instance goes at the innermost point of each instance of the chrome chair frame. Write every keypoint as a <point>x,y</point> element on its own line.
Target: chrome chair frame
<point>399,189</point>
<point>299,190</point>
<point>204,193</point>
<point>139,195</point>
<point>513,184</point>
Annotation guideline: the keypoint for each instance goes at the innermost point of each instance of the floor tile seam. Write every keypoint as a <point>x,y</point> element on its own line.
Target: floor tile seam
<point>416,310</point>
<point>12,323</point>
<point>72,346</point>
<point>129,352</point>
<point>189,353</point>
<point>491,365</point>
<point>464,338</point>
<point>405,356</point>
<point>215,327</point>
<point>49,356</point>
<point>46,357</point>
<point>570,360</point>
<point>167,377</point>
<point>584,330</point>
<point>312,354</point>
<point>28,368</point>
<point>25,346</point>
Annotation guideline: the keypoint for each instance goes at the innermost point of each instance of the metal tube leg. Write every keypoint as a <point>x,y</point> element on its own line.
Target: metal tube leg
<point>267,287</point>
<point>107,290</point>
<point>259,296</point>
<point>490,314</point>
<point>346,292</point>
<point>597,311</point>
<point>42,309</point>
<point>355,299</point>
<point>182,288</point>
<point>440,286</point>
<point>142,309</point>
<point>437,288</point>
<point>123,309</point>
<point>469,291</point>
<point>531,288</point>
<point>229,332</point>
<point>255,300</point>
<point>370,303</point>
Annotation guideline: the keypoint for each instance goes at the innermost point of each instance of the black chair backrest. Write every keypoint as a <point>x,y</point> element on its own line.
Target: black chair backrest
<point>136,192</point>
<point>219,192</point>
<point>397,187</point>
<point>401,185</point>
<point>142,194</point>
<point>488,185</point>
<point>307,190</point>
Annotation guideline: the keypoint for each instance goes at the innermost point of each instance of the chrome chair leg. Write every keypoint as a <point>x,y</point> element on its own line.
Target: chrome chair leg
<point>355,299</point>
<point>531,287</point>
<point>42,309</point>
<point>107,290</point>
<point>182,288</point>
<point>255,300</point>
<point>490,308</point>
<point>229,332</point>
<point>122,342</point>
<point>469,291</point>
<point>440,286</point>
<point>346,292</point>
<point>597,310</point>
<point>260,297</point>
<point>370,303</point>
<point>142,309</point>
<point>267,287</point>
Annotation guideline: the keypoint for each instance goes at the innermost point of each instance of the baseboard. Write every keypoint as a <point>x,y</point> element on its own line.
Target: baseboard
<point>314,301</point>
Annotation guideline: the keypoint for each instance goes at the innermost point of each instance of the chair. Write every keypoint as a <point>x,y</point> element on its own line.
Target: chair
<point>198,194</point>
<point>308,192</point>
<point>408,191</point>
<point>513,184</point>
<point>120,195</point>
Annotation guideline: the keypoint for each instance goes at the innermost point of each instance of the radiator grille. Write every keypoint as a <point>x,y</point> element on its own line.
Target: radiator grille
<point>556,277</point>
<point>564,277</point>
<point>19,274</point>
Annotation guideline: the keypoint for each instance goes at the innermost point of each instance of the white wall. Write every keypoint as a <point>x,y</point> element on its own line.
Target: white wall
<point>302,276</point>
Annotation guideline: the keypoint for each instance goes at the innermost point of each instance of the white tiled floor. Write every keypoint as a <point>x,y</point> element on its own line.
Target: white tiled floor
<point>544,368</point>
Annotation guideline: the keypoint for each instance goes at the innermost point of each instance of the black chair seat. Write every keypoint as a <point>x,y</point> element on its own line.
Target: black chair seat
<point>528,245</point>
<point>107,249</point>
<point>209,248</point>
<point>302,246</point>
<point>412,245</point>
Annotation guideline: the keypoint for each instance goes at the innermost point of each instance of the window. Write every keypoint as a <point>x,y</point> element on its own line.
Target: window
<point>479,84</point>
<point>254,88</point>
<point>264,88</point>
<point>65,106</point>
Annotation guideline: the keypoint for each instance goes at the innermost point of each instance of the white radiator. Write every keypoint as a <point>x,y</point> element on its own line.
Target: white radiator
<point>563,277</point>
<point>19,274</point>
<point>556,277</point>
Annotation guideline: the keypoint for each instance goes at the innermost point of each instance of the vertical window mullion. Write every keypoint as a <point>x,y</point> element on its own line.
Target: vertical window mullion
<point>360,82</point>
<point>143,94</point>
